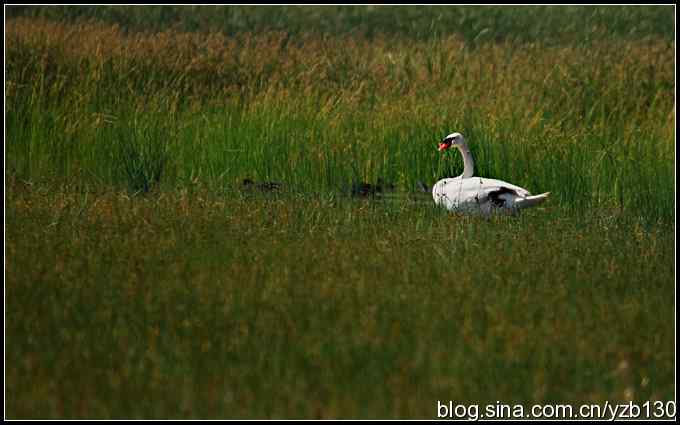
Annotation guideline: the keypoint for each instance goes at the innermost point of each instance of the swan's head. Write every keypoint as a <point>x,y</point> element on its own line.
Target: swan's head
<point>453,139</point>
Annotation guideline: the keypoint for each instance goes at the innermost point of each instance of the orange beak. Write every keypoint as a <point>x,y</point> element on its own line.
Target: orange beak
<point>444,146</point>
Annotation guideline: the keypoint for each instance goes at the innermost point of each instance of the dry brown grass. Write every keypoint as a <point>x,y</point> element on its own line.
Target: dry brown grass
<point>390,76</point>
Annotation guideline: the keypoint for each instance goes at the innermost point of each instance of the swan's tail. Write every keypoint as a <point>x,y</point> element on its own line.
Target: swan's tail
<point>531,201</point>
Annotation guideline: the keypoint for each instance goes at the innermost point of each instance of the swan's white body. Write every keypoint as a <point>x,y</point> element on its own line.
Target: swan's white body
<point>479,195</point>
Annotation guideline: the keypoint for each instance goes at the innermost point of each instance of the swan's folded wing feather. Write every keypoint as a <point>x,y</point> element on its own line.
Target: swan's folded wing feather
<point>476,191</point>
<point>490,185</point>
<point>501,197</point>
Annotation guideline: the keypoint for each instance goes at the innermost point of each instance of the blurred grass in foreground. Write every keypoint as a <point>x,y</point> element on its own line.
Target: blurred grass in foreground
<point>194,305</point>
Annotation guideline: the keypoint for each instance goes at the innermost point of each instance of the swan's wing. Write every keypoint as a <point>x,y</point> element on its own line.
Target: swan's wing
<point>456,193</point>
<point>492,185</point>
<point>481,186</point>
<point>443,190</point>
<point>501,197</point>
<point>476,192</point>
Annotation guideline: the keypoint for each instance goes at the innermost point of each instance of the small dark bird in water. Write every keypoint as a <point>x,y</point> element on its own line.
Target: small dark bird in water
<point>363,190</point>
<point>249,185</point>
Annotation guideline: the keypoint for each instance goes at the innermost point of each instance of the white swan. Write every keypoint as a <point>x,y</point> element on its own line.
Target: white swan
<point>478,195</point>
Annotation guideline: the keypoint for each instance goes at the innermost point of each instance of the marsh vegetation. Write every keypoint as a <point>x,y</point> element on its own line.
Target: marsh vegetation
<point>143,281</point>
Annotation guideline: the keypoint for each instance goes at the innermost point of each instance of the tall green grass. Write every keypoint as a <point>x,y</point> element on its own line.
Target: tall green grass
<point>600,164</point>
<point>309,153</point>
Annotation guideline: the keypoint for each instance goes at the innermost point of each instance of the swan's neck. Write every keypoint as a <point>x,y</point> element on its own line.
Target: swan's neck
<point>468,162</point>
